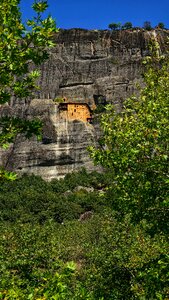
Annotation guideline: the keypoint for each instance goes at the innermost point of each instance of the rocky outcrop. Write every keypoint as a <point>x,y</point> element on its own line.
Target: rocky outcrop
<point>83,67</point>
<point>63,147</point>
<point>86,64</point>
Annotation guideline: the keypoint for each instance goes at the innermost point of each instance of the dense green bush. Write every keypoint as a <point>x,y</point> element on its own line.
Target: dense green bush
<point>40,232</point>
<point>31,199</point>
<point>30,267</point>
<point>135,148</point>
<point>112,260</point>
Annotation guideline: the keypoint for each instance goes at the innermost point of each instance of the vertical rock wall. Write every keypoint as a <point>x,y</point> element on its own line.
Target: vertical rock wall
<point>63,148</point>
<point>84,66</point>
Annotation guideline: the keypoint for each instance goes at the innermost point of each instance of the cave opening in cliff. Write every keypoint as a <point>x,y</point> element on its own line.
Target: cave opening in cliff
<point>100,99</point>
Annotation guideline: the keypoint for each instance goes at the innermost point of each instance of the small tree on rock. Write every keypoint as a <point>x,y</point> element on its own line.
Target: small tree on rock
<point>127,25</point>
<point>115,26</point>
<point>160,25</point>
<point>147,25</point>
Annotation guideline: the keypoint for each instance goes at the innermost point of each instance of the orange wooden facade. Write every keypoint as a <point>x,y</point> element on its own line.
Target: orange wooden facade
<point>75,111</point>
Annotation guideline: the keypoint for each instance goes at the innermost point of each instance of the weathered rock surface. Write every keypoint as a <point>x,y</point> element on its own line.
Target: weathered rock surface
<point>62,149</point>
<point>83,66</point>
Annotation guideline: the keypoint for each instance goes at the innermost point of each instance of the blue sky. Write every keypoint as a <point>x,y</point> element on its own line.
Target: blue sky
<point>97,14</point>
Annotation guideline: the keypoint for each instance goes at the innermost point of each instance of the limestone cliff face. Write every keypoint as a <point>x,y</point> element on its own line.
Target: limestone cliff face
<point>83,66</point>
<point>61,150</point>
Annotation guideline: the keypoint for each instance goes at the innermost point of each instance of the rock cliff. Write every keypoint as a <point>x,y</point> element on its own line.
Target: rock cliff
<point>84,66</point>
<point>62,149</point>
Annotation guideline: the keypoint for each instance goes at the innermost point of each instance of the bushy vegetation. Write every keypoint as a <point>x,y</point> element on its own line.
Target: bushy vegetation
<point>23,48</point>
<point>48,253</point>
<point>119,250</point>
<point>32,200</point>
<point>129,25</point>
<point>135,148</point>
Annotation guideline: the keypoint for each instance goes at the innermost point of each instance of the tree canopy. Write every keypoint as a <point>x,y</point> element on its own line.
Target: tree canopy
<point>135,145</point>
<point>115,26</point>
<point>23,47</point>
<point>127,25</point>
<point>135,148</point>
<point>147,25</point>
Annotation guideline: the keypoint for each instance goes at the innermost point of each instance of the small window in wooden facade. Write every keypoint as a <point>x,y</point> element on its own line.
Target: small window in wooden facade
<point>90,120</point>
<point>63,106</point>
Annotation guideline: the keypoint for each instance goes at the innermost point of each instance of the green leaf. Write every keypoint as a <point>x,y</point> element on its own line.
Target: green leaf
<point>40,6</point>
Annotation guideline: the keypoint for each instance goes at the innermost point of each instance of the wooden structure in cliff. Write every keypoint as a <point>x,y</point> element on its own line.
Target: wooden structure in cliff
<point>75,111</point>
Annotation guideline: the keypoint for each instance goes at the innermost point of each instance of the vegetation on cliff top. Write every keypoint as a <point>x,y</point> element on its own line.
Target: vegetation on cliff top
<point>128,25</point>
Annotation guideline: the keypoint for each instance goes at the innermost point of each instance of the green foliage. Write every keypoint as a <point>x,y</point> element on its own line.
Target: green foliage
<point>161,25</point>
<point>21,46</point>
<point>147,25</point>
<point>34,254</point>
<point>115,26</point>
<point>7,175</point>
<point>93,179</point>
<point>58,100</point>
<point>121,252</point>
<point>135,147</point>
<point>122,258</point>
<point>112,260</point>
<point>99,109</point>
<point>40,234</point>
<point>32,200</point>
<point>40,6</point>
<point>30,267</point>
<point>11,126</point>
<point>22,49</point>
<point>127,25</point>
